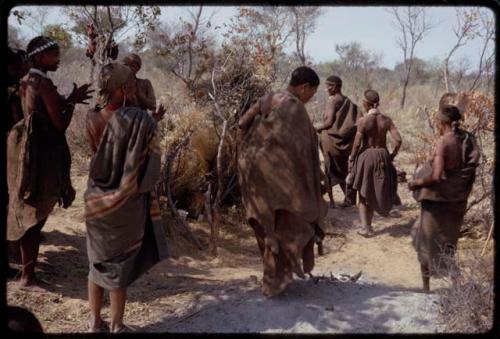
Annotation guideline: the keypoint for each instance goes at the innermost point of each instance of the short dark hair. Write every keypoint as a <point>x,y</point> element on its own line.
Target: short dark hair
<point>449,113</point>
<point>21,320</point>
<point>334,79</point>
<point>371,96</point>
<point>304,75</point>
<point>447,98</point>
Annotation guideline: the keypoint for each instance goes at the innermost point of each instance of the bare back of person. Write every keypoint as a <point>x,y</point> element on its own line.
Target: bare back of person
<point>375,127</point>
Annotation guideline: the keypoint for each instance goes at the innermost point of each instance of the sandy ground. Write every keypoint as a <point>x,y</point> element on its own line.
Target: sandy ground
<point>199,293</point>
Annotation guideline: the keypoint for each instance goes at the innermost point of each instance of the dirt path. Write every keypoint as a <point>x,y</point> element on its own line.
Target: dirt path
<point>197,293</point>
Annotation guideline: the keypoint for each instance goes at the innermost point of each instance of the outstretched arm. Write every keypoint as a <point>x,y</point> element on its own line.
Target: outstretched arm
<point>397,139</point>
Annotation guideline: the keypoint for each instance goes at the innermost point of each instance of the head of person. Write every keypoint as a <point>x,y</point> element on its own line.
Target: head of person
<point>333,84</point>
<point>304,82</point>
<point>371,99</point>
<point>44,53</point>
<point>133,61</point>
<point>459,100</point>
<point>22,320</point>
<point>17,65</point>
<point>115,84</point>
<point>449,115</point>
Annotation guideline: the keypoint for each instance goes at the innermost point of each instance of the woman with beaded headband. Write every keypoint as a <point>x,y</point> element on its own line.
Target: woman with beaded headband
<point>39,157</point>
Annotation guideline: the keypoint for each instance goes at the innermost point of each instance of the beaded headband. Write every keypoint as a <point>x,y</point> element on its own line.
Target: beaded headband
<point>42,48</point>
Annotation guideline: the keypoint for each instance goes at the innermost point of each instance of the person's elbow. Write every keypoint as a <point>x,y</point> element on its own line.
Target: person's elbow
<point>436,178</point>
<point>398,140</point>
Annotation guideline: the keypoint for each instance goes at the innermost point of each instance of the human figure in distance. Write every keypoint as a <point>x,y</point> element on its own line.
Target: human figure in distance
<point>337,133</point>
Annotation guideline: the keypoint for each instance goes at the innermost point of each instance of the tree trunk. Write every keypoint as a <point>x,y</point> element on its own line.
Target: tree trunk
<point>446,77</point>
<point>403,96</point>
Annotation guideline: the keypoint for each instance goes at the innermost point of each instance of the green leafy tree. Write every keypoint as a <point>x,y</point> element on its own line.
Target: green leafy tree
<point>59,34</point>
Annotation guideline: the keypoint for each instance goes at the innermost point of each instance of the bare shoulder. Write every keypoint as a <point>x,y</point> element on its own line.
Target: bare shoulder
<point>93,115</point>
<point>337,100</point>
<point>448,140</point>
<point>441,143</point>
<point>42,84</point>
<point>387,121</point>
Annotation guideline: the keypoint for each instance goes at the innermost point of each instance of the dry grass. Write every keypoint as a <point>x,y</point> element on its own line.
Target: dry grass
<point>467,306</point>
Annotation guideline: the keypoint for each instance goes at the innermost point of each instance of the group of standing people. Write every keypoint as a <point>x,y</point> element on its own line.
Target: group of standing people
<point>280,176</point>
<point>124,233</point>
<point>282,183</point>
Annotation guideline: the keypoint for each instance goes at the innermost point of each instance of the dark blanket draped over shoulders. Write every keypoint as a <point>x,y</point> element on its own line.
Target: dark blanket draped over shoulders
<point>336,142</point>
<point>443,206</point>
<point>279,176</point>
<point>38,163</point>
<point>122,214</point>
<point>278,165</point>
<point>343,129</point>
<point>456,184</point>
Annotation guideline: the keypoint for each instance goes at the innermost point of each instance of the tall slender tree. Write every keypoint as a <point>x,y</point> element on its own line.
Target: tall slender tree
<point>413,25</point>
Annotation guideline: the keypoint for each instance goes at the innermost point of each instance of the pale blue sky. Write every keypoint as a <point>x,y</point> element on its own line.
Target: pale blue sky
<point>371,26</point>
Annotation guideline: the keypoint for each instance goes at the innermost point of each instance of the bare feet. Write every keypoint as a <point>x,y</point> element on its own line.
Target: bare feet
<point>98,326</point>
<point>125,329</point>
<point>367,233</point>
<point>33,285</point>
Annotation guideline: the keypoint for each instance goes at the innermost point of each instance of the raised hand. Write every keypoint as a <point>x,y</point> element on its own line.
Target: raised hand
<point>80,94</point>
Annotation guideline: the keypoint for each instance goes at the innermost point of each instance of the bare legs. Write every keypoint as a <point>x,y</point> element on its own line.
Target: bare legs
<point>454,272</point>
<point>349,195</point>
<point>330,191</point>
<point>424,269</point>
<point>366,216</point>
<point>30,245</point>
<point>117,298</point>
<point>96,296</point>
